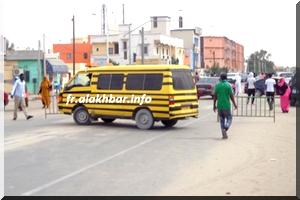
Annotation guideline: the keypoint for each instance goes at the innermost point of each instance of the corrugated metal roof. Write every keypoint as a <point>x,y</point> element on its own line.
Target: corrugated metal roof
<point>56,66</point>
<point>24,55</point>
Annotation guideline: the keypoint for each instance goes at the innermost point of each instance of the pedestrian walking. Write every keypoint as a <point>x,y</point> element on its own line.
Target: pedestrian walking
<point>284,91</point>
<point>45,88</point>
<point>18,93</point>
<point>251,87</point>
<point>223,94</point>
<point>270,90</point>
<point>238,84</point>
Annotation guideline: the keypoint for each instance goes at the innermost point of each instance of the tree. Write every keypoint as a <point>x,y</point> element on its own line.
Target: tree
<point>259,62</point>
<point>216,70</point>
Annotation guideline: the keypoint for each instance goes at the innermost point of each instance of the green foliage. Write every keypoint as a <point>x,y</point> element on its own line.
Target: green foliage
<point>259,62</point>
<point>216,70</point>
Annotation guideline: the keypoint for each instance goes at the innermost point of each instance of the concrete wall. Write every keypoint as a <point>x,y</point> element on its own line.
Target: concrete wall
<point>32,67</point>
<point>9,67</point>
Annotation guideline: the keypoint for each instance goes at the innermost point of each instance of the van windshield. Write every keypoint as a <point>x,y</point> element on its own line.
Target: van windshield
<point>182,80</point>
<point>80,80</point>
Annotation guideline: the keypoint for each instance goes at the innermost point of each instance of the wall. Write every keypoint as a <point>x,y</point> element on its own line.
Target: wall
<point>80,49</point>
<point>224,52</point>
<point>32,67</point>
<point>9,66</point>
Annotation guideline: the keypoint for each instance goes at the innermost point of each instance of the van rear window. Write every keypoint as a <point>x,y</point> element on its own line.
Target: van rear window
<point>144,81</point>
<point>182,80</point>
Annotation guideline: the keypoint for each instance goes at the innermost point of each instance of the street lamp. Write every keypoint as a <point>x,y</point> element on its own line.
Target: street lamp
<point>73,19</point>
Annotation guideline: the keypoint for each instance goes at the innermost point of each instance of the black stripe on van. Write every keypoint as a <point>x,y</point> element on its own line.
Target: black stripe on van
<point>166,83</point>
<point>76,92</point>
<point>128,93</point>
<point>188,113</point>
<point>125,110</point>
<point>128,104</point>
<point>179,107</point>
<point>133,70</point>
<point>125,76</point>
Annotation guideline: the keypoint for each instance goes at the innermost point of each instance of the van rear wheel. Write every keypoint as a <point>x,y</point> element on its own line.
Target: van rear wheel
<point>144,119</point>
<point>108,120</point>
<point>169,123</point>
<point>81,116</point>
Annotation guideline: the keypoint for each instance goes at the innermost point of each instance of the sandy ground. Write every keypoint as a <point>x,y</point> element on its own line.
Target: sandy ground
<point>258,159</point>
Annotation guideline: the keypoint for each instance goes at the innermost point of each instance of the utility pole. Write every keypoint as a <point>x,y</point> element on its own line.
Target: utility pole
<point>103,19</point>
<point>129,44</point>
<point>44,60</point>
<point>142,46</point>
<point>123,15</point>
<point>73,19</point>
<point>38,66</point>
<point>107,34</point>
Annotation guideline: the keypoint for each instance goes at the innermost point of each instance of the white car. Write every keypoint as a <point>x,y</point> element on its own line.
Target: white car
<point>231,75</point>
<point>287,76</point>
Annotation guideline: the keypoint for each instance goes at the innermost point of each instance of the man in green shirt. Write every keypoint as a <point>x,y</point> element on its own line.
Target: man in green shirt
<point>222,95</point>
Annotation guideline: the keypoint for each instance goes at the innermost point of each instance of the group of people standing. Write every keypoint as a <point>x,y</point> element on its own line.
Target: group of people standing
<point>265,84</point>
<point>19,94</point>
<point>255,87</point>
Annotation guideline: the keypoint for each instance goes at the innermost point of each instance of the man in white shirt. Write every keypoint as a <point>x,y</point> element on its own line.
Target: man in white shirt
<point>270,90</point>
<point>251,87</point>
<point>18,92</point>
<point>238,84</point>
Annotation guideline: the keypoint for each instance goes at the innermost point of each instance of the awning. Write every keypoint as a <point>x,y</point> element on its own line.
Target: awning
<point>56,66</point>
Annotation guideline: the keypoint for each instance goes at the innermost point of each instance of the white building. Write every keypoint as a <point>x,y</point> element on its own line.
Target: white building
<point>159,46</point>
<point>192,45</point>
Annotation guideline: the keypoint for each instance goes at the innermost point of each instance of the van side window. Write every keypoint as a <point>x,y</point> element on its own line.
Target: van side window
<point>135,82</point>
<point>153,81</point>
<point>116,82</point>
<point>110,81</point>
<point>144,81</point>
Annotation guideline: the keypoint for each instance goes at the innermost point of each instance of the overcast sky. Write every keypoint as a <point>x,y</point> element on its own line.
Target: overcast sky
<point>256,24</point>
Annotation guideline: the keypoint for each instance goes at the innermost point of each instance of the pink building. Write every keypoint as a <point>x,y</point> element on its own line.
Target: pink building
<point>223,52</point>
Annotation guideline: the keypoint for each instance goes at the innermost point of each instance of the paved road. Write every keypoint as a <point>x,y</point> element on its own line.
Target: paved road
<point>57,157</point>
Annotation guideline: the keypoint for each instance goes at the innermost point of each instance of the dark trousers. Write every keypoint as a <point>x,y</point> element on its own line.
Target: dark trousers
<point>270,99</point>
<point>251,92</point>
<point>225,119</point>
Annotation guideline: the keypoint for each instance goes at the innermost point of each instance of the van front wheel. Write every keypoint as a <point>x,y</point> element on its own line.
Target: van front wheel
<point>81,116</point>
<point>144,119</point>
<point>169,123</point>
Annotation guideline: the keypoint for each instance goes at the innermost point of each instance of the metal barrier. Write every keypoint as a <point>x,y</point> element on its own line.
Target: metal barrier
<point>262,107</point>
<point>52,109</point>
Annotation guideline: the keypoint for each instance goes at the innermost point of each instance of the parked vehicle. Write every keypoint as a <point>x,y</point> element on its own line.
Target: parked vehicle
<point>170,87</point>
<point>287,76</point>
<point>232,75</point>
<point>295,97</point>
<point>232,83</point>
<point>205,86</point>
<point>244,77</point>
